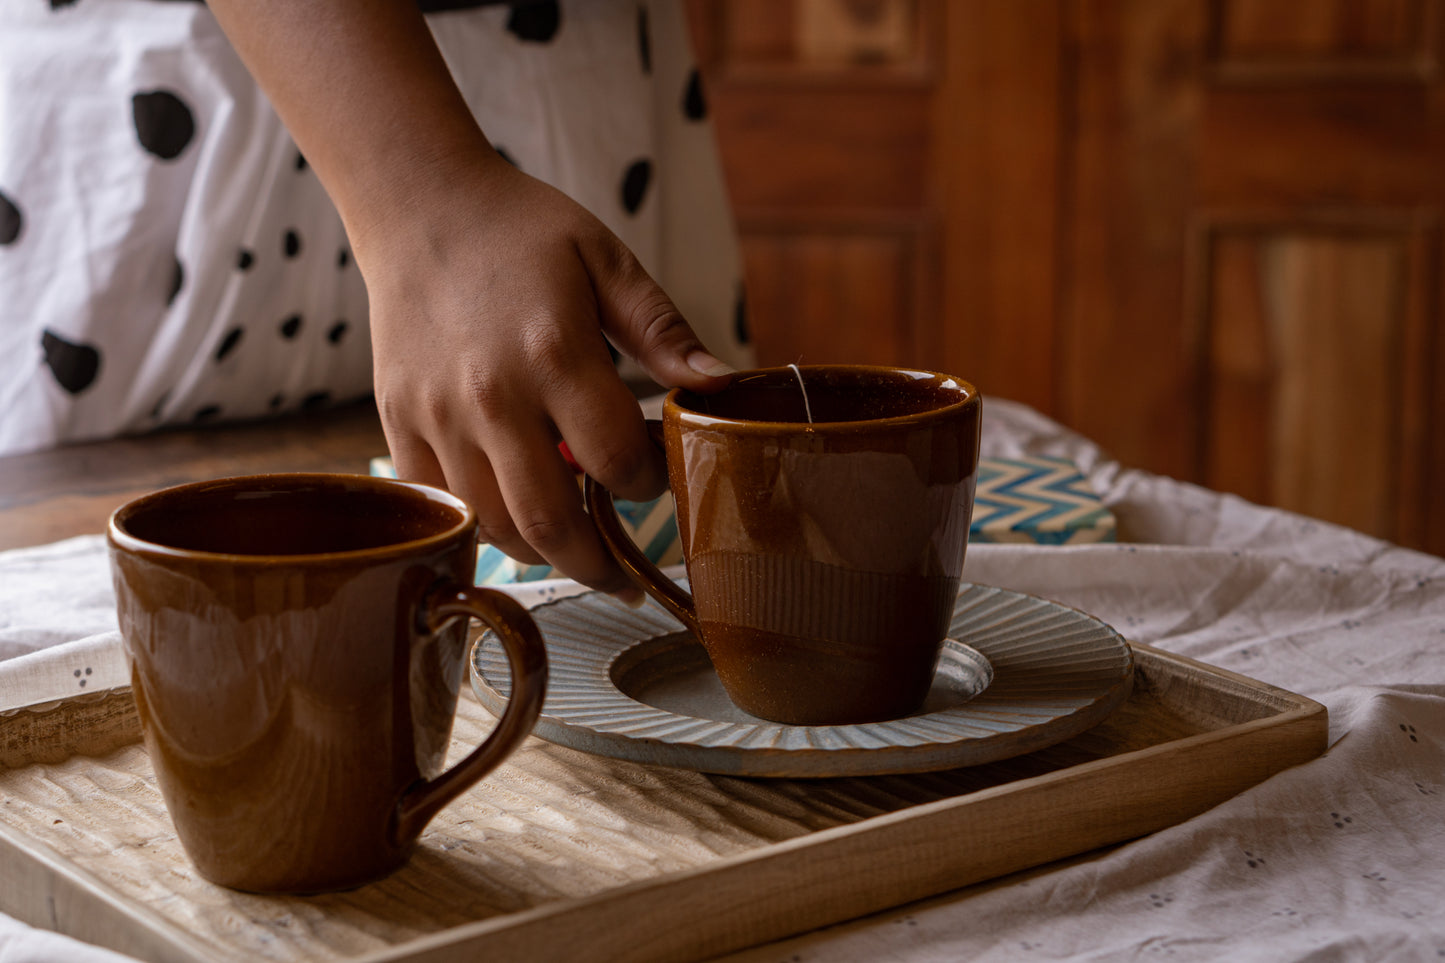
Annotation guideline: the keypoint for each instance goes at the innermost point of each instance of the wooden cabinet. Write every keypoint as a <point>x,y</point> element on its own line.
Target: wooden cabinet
<point>824,114</point>
<point>1205,233</point>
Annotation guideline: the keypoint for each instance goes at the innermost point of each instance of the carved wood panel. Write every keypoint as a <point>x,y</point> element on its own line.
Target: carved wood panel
<point>843,295</point>
<point>1253,288</point>
<point>823,111</point>
<point>1175,225</point>
<point>1313,373</point>
<point>1309,41</point>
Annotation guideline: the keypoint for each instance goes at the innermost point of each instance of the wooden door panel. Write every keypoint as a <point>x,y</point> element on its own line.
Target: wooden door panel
<point>1001,153</point>
<point>1284,39</point>
<point>1308,380</point>
<point>1320,149</point>
<point>824,115</point>
<point>814,149</point>
<point>1127,369</point>
<point>1253,190</point>
<point>793,34</point>
<point>841,296</point>
<point>1178,226</point>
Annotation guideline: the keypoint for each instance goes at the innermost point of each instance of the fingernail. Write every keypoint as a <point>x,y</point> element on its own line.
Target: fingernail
<point>705,364</point>
<point>632,596</point>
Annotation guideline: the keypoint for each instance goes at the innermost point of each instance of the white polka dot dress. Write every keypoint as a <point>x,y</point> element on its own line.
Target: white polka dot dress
<point>168,257</point>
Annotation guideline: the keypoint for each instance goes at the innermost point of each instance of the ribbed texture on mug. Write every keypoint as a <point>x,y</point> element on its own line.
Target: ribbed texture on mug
<point>808,599</point>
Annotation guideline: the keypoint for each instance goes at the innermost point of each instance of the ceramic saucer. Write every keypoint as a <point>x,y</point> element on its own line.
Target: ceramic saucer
<point>1019,673</point>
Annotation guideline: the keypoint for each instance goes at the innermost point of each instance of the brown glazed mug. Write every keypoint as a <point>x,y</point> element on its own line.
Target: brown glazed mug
<point>823,540</point>
<point>297,643</point>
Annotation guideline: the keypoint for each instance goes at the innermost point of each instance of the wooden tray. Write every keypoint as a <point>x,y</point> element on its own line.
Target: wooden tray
<point>563,855</point>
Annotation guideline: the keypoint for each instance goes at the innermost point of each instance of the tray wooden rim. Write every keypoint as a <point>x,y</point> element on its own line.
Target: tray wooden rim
<point>78,902</point>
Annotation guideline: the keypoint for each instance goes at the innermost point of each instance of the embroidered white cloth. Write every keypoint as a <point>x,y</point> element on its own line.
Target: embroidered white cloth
<point>1342,858</point>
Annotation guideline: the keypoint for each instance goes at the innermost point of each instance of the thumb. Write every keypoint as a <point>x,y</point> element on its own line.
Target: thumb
<point>645,325</point>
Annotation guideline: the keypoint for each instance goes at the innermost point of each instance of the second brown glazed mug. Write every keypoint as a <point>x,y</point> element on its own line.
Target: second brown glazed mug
<point>824,537</point>
<point>297,643</point>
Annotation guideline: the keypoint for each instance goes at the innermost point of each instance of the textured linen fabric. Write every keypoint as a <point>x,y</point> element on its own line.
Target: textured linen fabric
<point>19,944</point>
<point>167,256</point>
<point>1342,858</point>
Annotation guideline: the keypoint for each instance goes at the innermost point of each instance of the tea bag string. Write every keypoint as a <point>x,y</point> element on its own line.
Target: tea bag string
<point>807,408</point>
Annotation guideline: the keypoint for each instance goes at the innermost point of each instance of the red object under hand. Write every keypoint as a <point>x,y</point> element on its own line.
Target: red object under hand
<point>567,454</point>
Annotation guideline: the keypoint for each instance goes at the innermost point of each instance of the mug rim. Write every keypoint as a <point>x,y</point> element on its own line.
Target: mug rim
<point>119,538</point>
<point>672,407</point>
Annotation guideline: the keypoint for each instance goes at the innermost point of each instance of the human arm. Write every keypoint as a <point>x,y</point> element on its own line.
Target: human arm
<point>489,290</point>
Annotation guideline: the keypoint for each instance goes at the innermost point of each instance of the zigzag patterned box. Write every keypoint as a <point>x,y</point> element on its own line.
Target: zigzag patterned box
<point>1041,500</point>
<point>651,525</point>
<point>1046,501</point>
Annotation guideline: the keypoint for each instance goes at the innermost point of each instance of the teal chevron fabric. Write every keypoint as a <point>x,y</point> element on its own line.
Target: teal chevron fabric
<point>651,525</point>
<point>1041,500</point>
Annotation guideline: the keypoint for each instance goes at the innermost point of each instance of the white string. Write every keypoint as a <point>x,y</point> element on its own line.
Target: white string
<point>807,408</point>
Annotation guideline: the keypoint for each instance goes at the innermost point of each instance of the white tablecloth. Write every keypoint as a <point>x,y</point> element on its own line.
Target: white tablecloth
<point>1339,859</point>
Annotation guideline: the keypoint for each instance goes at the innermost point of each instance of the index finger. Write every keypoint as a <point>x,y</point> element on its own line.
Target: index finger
<point>607,438</point>
<point>543,498</point>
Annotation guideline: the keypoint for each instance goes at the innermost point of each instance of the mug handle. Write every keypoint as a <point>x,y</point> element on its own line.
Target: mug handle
<point>527,659</point>
<point>638,566</point>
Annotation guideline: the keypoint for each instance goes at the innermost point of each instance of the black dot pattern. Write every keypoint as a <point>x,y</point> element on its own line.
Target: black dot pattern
<point>163,123</point>
<point>535,22</point>
<point>694,104</point>
<point>644,41</point>
<point>178,281</point>
<point>11,220</point>
<point>264,293</point>
<point>634,184</point>
<point>75,366</point>
<point>229,343</point>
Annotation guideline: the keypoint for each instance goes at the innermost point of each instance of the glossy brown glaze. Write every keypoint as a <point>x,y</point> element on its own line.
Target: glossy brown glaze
<point>823,558</point>
<point>296,659</point>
